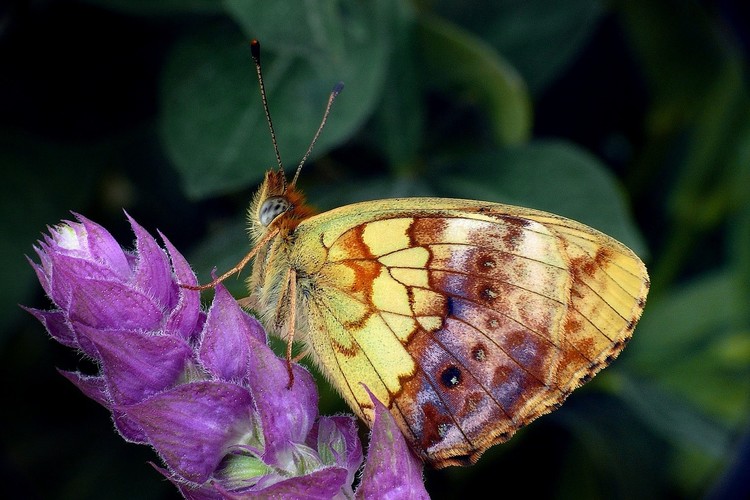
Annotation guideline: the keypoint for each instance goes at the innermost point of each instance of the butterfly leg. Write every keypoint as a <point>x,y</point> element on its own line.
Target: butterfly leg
<point>301,355</point>
<point>292,288</point>
<point>237,268</point>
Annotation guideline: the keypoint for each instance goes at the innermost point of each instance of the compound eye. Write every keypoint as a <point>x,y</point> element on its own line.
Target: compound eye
<point>272,208</point>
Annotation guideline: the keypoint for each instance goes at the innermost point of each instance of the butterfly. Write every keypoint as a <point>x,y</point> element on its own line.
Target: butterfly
<point>467,319</point>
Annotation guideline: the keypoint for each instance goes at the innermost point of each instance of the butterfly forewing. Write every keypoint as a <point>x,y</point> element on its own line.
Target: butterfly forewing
<point>467,319</point>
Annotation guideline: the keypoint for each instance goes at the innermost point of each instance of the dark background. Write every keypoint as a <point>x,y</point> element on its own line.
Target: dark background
<point>632,116</point>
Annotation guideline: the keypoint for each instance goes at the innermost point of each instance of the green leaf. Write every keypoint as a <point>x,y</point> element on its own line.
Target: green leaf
<point>399,120</point>
<point>211,119</point>
<point>553,176</point>
<point>692,341</point>
<point>679,51</point>
<point>213,123</point>
<point>697,121</point>
<point>675,418</point>
<point>708,173</point>
<point>700,442</point>
<point>711,183</point>
<point>539,37</point>
<point>455,58</point>
<point>607,458</point>
<point>739,225</point>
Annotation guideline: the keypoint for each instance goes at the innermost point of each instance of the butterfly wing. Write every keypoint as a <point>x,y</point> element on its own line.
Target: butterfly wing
<point>467,319</point>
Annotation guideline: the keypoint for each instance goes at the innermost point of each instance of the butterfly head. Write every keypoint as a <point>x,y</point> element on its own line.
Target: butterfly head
<point>277,204</point>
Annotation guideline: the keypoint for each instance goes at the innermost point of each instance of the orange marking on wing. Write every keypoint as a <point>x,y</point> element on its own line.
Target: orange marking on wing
<point>589,266</point>
<point>572,325</point>
<point>365,272</point>
<point>348,352</point>
<point>351,244</point>
<point>358,323</point>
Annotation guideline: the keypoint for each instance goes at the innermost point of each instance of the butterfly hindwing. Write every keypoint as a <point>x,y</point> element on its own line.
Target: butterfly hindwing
<point>467,319</point>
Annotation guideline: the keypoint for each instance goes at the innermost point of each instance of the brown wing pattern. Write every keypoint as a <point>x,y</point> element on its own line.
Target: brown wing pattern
<point>469,325</point>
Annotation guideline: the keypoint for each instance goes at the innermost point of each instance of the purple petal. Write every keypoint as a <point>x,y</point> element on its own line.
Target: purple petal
<point>128,429</point>
<point>184,318</point>
<point>92,387</point>
<point>338,437</point>
<point>287,414</point>
<point>81,267</point>
<point>234,348</point>
<point>57,326</point>
<point>107,304</point>
<point>103,247</point>
<point>199,327</point>
<point>228,337</point>
<point>137,365</point>
<point>322,484</point>
<point>182,269</point>
<point>153,274</point>
<point>68,273</point>
<point>193,425</point>
<point>392,471</point>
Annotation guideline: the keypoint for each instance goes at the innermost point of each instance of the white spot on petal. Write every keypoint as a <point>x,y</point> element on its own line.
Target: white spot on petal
<point>67,238</point>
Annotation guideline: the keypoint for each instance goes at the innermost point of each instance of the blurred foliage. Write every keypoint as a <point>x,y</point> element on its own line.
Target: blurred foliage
<point>632,116</point>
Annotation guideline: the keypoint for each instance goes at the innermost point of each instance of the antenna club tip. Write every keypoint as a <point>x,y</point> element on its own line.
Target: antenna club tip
<point>255,48</point>
<point>337,88</point>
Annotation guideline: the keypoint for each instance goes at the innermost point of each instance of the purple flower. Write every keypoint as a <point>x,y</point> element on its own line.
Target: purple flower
<point>203,388</point>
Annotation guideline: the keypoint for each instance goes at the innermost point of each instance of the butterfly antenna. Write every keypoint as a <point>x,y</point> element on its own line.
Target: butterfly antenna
<point>255,52</point>
<point>334,93</point>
